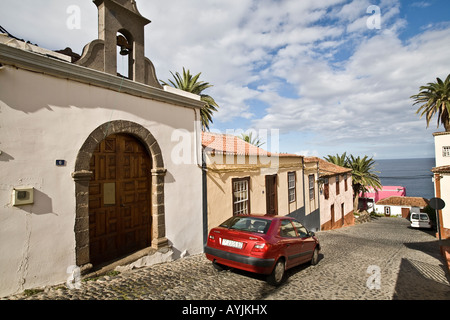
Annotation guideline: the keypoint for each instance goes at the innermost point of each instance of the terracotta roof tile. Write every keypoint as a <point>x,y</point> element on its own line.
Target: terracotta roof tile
<point>441,133</point>
<point>404,201</point>
<point>329,169</point>
<point>230,144</point>
<point>311,159</point>
<point>442,169</point>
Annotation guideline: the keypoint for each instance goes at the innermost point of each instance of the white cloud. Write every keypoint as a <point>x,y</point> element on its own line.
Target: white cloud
<point>421,4</point>
<point>308,153</point>
<point>313,64</point>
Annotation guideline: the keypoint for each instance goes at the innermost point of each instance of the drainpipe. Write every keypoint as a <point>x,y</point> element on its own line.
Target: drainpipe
<point>304,187</point>
<point>198,145</point>
<point>197,140</point>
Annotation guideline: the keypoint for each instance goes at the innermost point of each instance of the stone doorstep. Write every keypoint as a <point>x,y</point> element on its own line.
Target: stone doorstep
<point>143,258</point>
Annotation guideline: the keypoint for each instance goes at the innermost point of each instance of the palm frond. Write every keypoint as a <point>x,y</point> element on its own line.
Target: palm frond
<point>190,83</point>
<point>434,99</point>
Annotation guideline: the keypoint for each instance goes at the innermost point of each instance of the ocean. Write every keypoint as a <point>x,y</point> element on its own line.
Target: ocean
<point>413,174</point>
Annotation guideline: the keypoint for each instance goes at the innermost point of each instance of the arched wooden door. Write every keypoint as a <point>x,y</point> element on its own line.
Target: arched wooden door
<point>119,199</point>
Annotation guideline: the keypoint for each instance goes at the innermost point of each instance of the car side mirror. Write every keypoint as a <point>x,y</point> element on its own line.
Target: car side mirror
<point>311,234</point>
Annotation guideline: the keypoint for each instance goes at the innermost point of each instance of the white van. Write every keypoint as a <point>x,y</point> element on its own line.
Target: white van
<point>420,220</point>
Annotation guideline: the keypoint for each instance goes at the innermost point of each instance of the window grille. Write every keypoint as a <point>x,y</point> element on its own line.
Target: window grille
<point>446,151</point>
<point>241,199</point>
<point>291,186</point>
<point>311,187</point>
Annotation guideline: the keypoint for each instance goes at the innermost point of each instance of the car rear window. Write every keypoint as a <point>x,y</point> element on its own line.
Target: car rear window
<point>249,224</point>
<point>423,217</point>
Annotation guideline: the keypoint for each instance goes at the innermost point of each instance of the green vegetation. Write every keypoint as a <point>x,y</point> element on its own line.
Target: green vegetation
<point>31,292</point>
<point>435,98</point>
<point>256,141</point>
<point>363,174</point>
<point>191,84</point>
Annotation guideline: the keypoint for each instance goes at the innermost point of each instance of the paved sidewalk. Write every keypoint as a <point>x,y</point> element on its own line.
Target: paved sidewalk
<point>380,260</point>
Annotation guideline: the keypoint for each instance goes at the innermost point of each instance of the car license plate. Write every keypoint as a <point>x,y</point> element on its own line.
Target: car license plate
<point>232,244</point>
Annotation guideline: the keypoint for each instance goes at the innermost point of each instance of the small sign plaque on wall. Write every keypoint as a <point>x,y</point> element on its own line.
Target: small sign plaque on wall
<point>60,163</point>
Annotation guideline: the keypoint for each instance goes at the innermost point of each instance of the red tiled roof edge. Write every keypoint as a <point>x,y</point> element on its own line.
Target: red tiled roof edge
<point>404,201</point>
<point>441,169</point>
<point>329,169</point>
<point>233,145</point>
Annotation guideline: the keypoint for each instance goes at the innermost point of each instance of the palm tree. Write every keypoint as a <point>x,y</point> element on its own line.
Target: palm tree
<point>338,160</point>
<point>190,83</point>
<point>363,175</point>
<point>435,98</point>
<point>256,141</point>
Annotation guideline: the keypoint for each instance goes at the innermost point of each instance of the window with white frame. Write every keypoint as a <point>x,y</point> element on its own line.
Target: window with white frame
<point>291,186</point>
<point>241,196</point>
<point>311,187</point>
<point>446,151</point>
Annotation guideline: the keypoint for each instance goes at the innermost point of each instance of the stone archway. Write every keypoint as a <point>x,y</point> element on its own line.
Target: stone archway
<point>82,176</point>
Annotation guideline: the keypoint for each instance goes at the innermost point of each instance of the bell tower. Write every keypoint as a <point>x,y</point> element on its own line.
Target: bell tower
<point>120,32</point>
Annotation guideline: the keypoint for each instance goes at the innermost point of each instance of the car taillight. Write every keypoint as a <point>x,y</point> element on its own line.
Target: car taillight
<point>260,247</point>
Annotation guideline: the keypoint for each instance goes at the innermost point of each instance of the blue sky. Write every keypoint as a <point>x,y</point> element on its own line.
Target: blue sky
<point>311,70</point>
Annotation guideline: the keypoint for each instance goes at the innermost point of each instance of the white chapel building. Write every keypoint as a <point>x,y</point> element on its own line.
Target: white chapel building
<point>88,172</point>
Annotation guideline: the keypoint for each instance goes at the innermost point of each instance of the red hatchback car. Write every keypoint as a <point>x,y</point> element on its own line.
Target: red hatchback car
<point>262,244</point>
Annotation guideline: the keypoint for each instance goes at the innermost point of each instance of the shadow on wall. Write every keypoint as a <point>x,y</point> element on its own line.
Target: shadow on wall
<point>4,157</point>
<point>310,221</point>
<point>169,178</point>
<point>177,254</point>
<point>43,204</point>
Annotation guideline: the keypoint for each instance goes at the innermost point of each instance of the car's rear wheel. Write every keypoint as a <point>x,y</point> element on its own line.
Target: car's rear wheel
<point>277,275</point>
<point>315,257</point>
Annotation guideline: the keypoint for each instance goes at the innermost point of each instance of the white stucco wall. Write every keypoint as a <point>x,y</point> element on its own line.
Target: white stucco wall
<point>445,195</point>
<point>344,197</point>
<point>44,119</point>
<point>442,139</point>
<point>395,210</point>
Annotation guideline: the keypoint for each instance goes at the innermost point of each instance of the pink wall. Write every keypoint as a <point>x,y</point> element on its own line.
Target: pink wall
<point>386,192</point>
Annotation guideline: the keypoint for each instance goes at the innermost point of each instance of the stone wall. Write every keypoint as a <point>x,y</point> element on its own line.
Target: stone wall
<point>363,218</point>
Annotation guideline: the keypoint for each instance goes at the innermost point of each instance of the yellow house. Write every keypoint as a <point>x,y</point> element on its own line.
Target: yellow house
<point>244,179</point>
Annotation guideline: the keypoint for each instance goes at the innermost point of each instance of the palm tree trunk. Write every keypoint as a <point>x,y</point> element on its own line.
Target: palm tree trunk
<point>445,119</point>
<point>356,190</point>
<point>447,126</point>
<point>355,203</point>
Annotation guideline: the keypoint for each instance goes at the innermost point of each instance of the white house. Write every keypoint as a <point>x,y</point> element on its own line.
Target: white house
<point>400,206</point>
<point>88,172</point>
<point>442,179</point>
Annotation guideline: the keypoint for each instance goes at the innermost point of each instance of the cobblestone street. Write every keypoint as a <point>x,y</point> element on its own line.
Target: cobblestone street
<point>380,260</point>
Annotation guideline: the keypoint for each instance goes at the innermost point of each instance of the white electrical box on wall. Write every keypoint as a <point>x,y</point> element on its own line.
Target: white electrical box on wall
<point>23,196</point>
